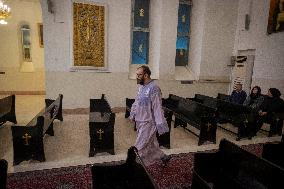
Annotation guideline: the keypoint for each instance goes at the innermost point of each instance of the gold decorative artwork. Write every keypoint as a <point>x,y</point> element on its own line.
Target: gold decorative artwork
<point>183,19</point>
<point>141,12</point>
<point>276,16</point>
<point>88,35</point>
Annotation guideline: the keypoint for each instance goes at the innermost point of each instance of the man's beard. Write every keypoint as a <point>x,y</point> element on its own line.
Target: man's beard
<point>140,81</point>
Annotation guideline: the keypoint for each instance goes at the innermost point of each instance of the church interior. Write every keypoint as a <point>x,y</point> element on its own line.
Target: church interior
<point>85,48</point>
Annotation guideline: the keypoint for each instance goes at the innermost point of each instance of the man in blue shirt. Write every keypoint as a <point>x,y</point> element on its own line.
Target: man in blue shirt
<point>238,96</point>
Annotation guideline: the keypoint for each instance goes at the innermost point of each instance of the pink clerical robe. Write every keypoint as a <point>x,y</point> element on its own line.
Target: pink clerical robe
<point>149,116</point>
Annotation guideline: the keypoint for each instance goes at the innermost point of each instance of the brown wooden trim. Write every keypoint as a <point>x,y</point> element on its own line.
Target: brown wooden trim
<point>87,110</point>
<point>22,92</point>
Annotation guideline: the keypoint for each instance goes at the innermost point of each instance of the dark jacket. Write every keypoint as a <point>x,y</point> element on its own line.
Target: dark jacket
<point>272,104</point>
<point>254,103</point>
<point>238,97</point>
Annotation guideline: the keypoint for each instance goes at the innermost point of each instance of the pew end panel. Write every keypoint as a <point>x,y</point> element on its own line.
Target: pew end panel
<point>59,115</point>
<point>7,109</point>
<point>199,116</point>
<point>28,140</point>
<point>101,126</point>
<point>101,133</point>
<point>3,173</point>
<point>273,152</point>
<point>128,103</point>
<point>277,124</point>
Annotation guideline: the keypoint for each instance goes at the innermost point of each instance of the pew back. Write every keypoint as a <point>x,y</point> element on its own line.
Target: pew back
<point>172,102</point>
<point>128,174</point>
<point>199,116</point>
<point>224,97</point>
<point>234,167</point>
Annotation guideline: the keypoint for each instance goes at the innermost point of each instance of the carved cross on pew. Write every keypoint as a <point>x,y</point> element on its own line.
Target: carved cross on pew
<point>55,111</point>
<point>26,137</point>
<point>100,132</point>
<point>208,126</point>
<point>245,122</point>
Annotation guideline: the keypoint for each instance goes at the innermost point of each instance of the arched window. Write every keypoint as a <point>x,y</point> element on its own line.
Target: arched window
<point>183,30</point>
<point>140,32</point>
<point>26,43</point>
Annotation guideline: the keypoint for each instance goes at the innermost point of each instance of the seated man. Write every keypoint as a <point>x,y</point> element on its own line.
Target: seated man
<point>238,96</point>
<point>272,104</point>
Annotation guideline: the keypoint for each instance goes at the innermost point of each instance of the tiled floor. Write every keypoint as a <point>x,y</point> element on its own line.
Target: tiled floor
<point>70,145</point>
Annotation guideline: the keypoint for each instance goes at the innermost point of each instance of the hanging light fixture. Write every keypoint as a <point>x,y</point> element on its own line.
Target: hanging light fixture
<point>5,12</point>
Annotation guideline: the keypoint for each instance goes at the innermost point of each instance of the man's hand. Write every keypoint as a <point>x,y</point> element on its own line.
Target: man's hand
<point>261,113</point>
<point>131,120</point>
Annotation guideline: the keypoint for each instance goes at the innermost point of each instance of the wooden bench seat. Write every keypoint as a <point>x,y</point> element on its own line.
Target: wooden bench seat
<point>227,112</point>
<point>197,115</point>
<point>28,140</point>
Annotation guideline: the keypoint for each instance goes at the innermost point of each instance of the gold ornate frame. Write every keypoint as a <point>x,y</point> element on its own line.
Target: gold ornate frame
<point>89,36</point>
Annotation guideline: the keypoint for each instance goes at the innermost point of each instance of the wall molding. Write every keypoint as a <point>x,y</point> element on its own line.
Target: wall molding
<point>23,92</point>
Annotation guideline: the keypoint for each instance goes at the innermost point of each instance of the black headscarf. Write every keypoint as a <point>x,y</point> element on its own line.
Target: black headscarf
<point>252,95</point>
<point>275,92</point>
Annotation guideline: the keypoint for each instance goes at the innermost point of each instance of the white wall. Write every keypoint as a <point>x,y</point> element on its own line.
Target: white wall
<point>269,49</point>
<point>22,12</point>
<point>169,14</point>
<point>79,87</point>
<point>215,36</point>
<point>218,37</point>
<point>196,34</point>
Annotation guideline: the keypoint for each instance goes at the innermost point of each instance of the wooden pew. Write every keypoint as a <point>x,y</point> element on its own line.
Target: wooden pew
<point>273,152</point>
<point>236,114</point>
<point>228,112</point>
<point>101,126</point>
<point>196,115</point>
<point>128,102</point>
<point>234,167</point>
<point>206,100</point>
<point>28,140</point>
<point>224,97</point>
<point>276,128</point>
<point>165,139</point>
<point>171,103</point>
<point>3,173</point>
<point>7,110</point>
<point>128,174</point>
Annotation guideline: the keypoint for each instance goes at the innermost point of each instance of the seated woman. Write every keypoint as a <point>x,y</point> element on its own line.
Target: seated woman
<point>271,104</point>
<point>255,99</point>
